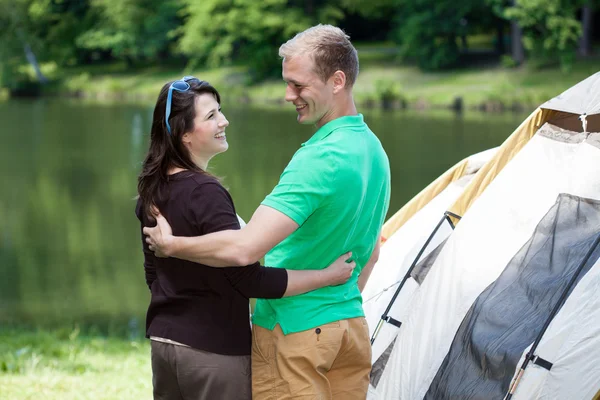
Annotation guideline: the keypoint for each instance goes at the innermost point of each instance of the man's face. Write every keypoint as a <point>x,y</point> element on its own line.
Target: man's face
<point>312,97</point>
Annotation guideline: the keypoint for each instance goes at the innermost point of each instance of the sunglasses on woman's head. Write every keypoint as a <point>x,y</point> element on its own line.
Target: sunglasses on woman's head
<point>181,85</point>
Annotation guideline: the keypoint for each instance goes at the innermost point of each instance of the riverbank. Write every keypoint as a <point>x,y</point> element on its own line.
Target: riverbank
<point>65,365</point>
<point>382,83</point>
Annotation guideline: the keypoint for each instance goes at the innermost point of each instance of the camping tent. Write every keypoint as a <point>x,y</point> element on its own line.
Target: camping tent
<point>514,284</point>
<point>407,231</point>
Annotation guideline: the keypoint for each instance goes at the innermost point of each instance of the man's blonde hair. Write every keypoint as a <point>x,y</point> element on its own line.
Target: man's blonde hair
<point>330,49</point>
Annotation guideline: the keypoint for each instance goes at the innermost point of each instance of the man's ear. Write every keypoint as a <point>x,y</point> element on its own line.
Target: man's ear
<point>339,81</point>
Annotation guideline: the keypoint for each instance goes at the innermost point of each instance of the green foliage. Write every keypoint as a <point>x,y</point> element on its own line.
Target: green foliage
<point>47,29</point>
<point>372,8</point>
<point>77,83</point>
<point>58,24</point>
<point>551,29</point>
<point>50,70</point>
<point>507,61</point>
<point>428,30</point>
<point>218,32</point>
<point>389,94</point>
<point>132,29</point>
<point>247,33</point>
<point>11,37</point>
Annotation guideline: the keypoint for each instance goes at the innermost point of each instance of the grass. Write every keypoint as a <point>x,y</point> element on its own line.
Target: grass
<point>118,82</point>
<point>65,365</point>
<point>476,86</point>
<point>381,74</point>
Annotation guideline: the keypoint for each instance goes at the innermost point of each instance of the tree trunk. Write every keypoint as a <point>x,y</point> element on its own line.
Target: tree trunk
<point>32,59</point>
<point>586,24</point>
<point>500,49</point>
<point>309,7</point>
<point>516,34</point>
<point>516,40</point>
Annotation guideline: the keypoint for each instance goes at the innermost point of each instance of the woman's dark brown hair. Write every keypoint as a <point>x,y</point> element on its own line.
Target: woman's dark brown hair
<point>167,149</point>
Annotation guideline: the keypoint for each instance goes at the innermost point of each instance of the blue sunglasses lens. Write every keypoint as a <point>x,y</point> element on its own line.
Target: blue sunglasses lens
<point>180,85</point>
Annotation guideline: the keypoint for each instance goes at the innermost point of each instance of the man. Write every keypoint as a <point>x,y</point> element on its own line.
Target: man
<point>332,198</point>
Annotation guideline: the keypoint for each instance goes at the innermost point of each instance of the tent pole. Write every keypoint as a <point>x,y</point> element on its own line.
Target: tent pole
<point>407,275</point>
<point>563,297</point>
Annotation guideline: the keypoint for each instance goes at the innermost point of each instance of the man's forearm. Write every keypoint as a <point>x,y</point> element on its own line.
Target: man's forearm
<point>226,248</point>
<point>219,249</point>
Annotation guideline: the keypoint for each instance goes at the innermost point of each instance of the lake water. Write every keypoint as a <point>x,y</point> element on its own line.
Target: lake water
<point>70,248</point>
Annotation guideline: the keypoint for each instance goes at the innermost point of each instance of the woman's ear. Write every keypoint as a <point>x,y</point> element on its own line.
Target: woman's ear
<point>186,138</point>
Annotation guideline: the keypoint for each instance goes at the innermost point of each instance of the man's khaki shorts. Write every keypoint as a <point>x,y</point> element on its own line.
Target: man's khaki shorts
<point>332,361</point>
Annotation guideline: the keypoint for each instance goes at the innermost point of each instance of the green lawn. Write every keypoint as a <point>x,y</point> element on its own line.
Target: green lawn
<point>476,86</point>
<point>62,365</point>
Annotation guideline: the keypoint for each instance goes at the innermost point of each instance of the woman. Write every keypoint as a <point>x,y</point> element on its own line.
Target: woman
<point>198,319</point>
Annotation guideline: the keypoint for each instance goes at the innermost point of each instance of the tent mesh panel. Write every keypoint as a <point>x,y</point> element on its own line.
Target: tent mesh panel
<point>507,317</point>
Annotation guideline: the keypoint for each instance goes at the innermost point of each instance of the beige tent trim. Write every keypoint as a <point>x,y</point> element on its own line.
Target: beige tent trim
<point>482,178</point>
<point>559,110</point>
<point>507,151</point>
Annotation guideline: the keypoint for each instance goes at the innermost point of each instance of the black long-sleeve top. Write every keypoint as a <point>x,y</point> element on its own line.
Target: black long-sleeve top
<point>193,304</point>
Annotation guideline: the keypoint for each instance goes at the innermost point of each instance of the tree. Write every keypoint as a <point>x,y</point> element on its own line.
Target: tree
<point>585,44</point>
<point>217,32</point>
<point>517,50</point>
<point>58,24</point>
<point>16,35</point>
<point>35,30</point>
<point>372,8</point>
<point>550,28</point>
<point>516,42</point>
<point>132,29</point>
<point>429,31</point>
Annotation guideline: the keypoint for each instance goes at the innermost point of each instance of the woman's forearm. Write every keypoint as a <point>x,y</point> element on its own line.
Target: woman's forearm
<point>304,281</point>
<point>366,271</point>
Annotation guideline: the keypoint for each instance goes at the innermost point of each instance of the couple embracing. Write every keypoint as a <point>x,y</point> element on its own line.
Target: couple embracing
<point>318,231</point>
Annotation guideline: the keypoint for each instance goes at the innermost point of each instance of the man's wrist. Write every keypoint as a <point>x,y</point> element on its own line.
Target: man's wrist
<point>327,276</point>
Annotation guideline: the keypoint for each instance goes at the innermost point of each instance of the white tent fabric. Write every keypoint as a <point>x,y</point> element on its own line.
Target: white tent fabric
<point>488,236</point>
<point>572,344</point>
<point>395,258</point>
<point>579,99</point>
<point>399,251</point>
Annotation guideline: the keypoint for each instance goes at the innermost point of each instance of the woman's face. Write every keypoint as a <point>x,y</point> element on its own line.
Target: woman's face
<point>208,137</point>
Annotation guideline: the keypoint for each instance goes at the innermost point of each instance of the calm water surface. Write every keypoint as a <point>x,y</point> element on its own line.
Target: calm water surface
<point>70,243</point>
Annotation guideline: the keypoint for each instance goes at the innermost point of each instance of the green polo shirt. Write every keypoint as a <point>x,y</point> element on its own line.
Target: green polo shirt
<point>337,188</point>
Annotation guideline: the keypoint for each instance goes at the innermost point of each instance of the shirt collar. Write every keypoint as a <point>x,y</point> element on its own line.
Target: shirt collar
<point>325,130</point>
